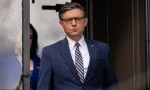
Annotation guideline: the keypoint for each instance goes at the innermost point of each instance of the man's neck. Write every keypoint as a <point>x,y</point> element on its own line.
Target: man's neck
<point>76,38</point>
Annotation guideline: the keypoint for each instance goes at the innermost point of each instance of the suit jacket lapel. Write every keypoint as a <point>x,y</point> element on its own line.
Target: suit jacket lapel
<point>65,52</point>
<point>92,52</point>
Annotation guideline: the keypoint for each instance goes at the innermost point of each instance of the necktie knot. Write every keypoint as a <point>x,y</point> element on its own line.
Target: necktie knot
<point>77,44</point>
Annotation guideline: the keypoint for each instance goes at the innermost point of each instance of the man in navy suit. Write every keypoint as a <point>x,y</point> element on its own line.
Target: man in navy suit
<point>76,63</point>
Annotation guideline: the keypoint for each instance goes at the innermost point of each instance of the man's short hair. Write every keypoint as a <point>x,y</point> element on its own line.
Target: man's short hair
<point>70,6</point>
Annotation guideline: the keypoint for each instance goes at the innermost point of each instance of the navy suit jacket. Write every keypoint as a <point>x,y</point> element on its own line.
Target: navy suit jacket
<point>57,70</point>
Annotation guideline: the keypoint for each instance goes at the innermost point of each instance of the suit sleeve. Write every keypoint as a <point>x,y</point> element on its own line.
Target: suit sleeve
<point>110,80</point>
<point>45,75</point>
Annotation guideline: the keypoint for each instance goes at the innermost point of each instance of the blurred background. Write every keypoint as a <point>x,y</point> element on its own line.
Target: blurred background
<point>46,22</point>
<point>10,26</point>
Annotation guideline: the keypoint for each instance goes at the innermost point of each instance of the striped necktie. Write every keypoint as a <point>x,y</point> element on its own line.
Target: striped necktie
<point>79,62</point>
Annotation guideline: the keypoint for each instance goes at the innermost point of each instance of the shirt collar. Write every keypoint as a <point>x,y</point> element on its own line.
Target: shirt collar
<point>72,42</point>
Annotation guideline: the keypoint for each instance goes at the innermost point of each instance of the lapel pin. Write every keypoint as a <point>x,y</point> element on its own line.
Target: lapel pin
<point>92,45</point>
<point>37,67</point>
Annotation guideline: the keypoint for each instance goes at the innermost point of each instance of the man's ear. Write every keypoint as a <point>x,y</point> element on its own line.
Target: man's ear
<point>85,21</point>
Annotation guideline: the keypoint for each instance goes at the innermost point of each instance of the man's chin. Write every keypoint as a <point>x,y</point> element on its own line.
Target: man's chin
<point>75,34</point>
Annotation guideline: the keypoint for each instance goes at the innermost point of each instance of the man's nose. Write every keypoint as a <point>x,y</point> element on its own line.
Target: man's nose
<point>73,22</point>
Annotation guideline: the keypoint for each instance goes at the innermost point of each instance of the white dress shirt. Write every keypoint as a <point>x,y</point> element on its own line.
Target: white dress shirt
<point>83,49</point>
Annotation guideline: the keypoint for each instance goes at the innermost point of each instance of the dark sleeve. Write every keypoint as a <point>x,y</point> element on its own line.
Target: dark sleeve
<point>110,80</point>
<point>45,75</point>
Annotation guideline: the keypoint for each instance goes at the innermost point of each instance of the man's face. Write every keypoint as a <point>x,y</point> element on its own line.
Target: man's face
<point>73,22</point>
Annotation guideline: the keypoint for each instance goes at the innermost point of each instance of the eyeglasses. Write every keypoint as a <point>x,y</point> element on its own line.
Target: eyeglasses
<point>69,20</point>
